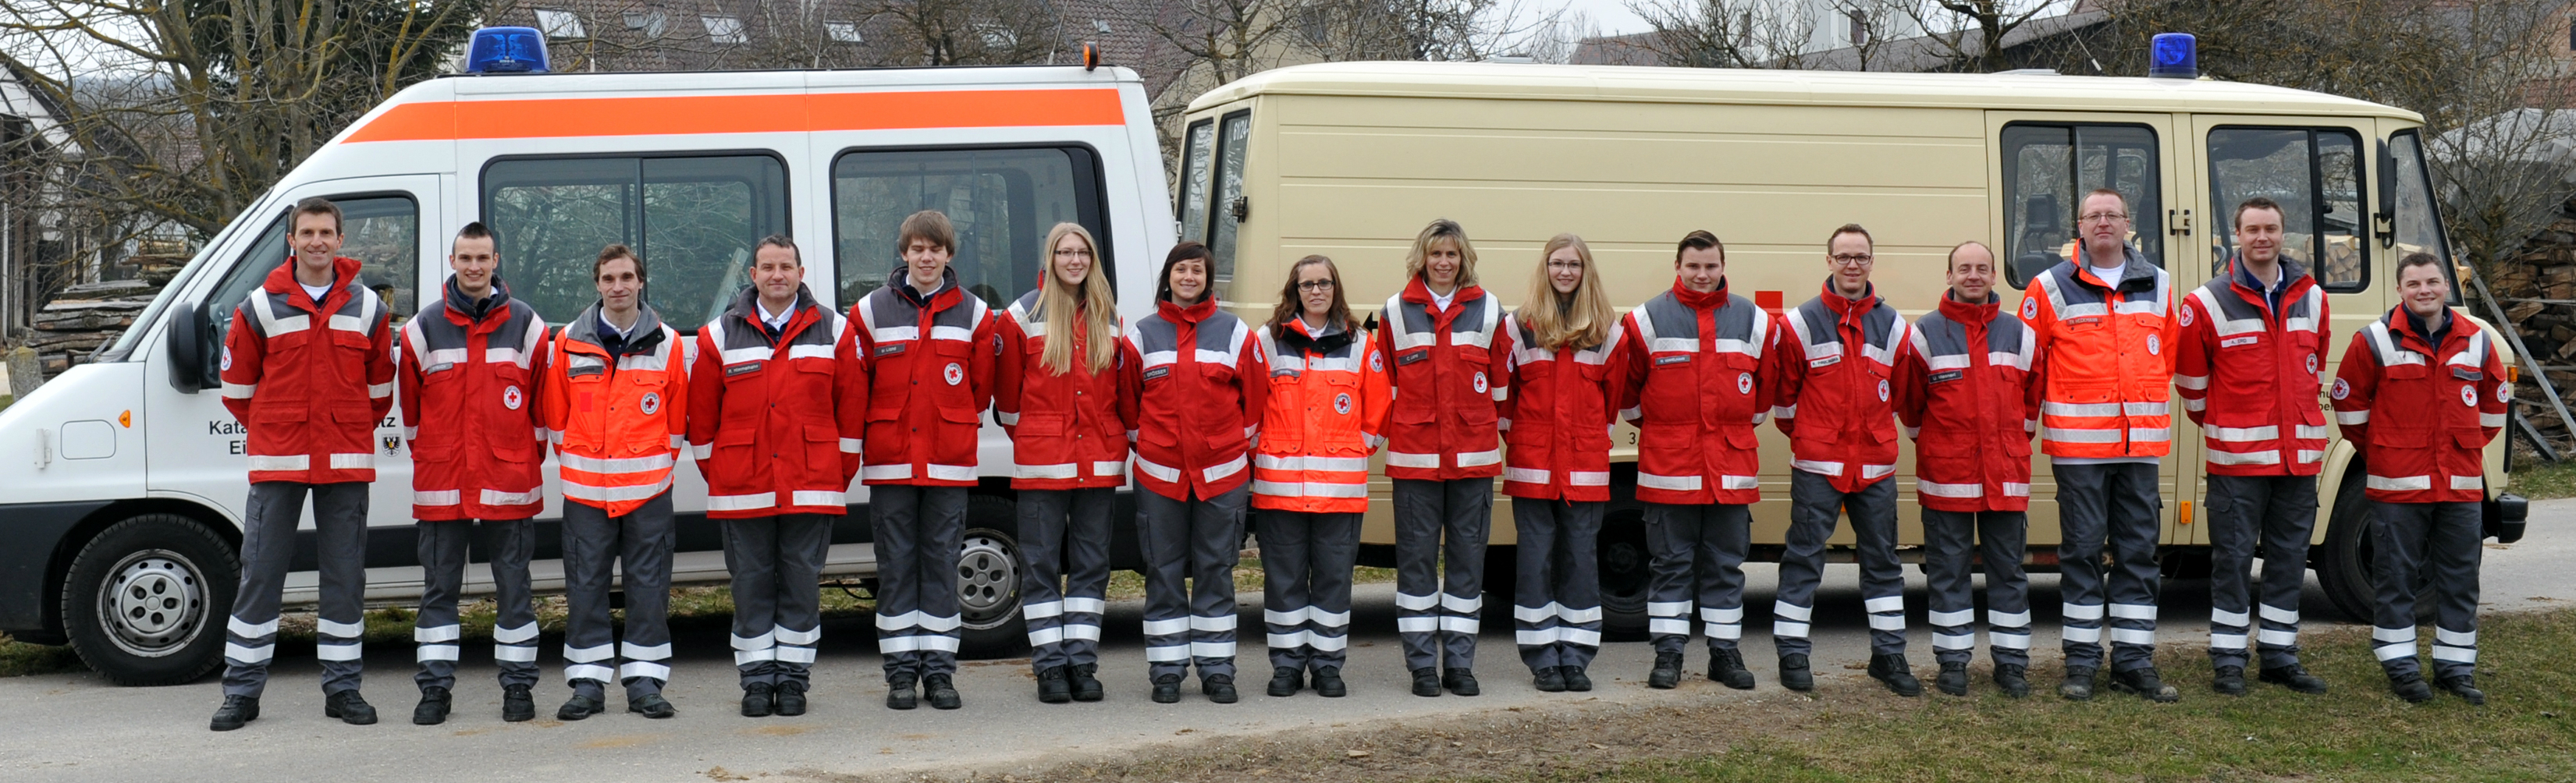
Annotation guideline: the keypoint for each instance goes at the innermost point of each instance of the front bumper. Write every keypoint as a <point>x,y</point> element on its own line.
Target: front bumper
<point>2503,516</point>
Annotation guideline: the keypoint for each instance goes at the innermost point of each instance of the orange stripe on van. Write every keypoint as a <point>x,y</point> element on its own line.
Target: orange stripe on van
<point>655,116</point>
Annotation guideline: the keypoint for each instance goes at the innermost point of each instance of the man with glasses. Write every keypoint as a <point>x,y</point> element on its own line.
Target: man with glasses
<point>1835,402</point>
<point>2106,328</point>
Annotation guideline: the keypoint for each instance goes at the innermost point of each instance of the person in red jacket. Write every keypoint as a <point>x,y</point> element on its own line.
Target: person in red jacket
<point>468,372</point>
<point>2248,362</point>
<point>774,426</point>
<point>1556,426</point>
<point>308,364</point>
<point>1694,377</point>
<point>1836,403</point>
<point>1967,394</point>
<point>1058,390</point>
<point>1199,404</point>
<point>927,350</point>
<point>1328,399</point>
<point>2436,376</point>
<point>1443,335</point>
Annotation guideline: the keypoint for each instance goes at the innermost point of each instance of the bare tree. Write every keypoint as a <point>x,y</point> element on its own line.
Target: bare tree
<point>974,32</point>
<point>1971,32</point>
<point>1726,33</point>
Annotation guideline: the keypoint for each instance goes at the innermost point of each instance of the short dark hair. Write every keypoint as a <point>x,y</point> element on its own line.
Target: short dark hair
<point>1699,240</point>
<point>780,240</point>
<point>2418,258</point>
<point>1952,261</point>
<point>1851,228</point>
<point>2258,202</point>
<point>614,252</point>
<point>316,205</point>
<point>474,230</point>
<point>2124,200</point>
<point>1186,250</point>
<point>930,224</point>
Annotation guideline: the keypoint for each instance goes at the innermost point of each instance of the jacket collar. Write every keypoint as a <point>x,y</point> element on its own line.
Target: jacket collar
<point>465,311</point>
<point>901,281</point>
<point>281,280</point>
<point>746,306</point>
<point>1844,306</point>
<point>2135,274</point>
<point>584,330</point>
<point>1332,338</point>
<point>2402,324</point>
<point>1418,293</point>
<point>1696,300</point>
<point>1186,315</point>
<point>1972,313</point>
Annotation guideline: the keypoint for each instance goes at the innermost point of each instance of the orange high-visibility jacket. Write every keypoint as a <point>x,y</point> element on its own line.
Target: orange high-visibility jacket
<point>617,423</point>
<point>2109,354</point>
<point>1326,411</point>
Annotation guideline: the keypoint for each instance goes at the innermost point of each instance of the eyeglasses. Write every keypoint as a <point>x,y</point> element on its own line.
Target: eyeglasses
<point>2105,217</point>
<point>1315,285</point>
<point>1852,259</point>
<point>1570,266</point>
<point>1075,252</point>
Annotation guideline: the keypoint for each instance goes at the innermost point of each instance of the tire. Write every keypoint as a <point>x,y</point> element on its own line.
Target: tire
<point>142,600</point>
<point>989,565</point>
<point>1624,562</point>
<point>2343,562</point>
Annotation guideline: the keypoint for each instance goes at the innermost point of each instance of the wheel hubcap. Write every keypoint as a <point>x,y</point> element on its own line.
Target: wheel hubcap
<point>154,604</point>
<point>988,579</point>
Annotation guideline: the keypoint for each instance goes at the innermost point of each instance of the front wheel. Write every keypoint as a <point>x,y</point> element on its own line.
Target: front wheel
<point>2344,561</point>
<point>1625,569</point>
<point>141,600</point>
<point>988,581</point>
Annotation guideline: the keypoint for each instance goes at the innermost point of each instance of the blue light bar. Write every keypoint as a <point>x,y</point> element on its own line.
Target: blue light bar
<point>2177,56</point>
<point>507,50</point>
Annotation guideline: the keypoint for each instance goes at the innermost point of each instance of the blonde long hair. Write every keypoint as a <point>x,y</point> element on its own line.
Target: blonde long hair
<point>1441,230</point>
<point>1060,303</point>
<point>1582,319</point>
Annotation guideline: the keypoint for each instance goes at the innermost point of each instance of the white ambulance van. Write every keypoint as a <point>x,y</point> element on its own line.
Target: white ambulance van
<point>123,494</point>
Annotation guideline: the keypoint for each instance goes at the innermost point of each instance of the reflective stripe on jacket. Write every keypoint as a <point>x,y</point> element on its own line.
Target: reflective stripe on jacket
<point>2249,376</point>
<point>1327,404</point>
<point>1556,424</point>
<point>2442,406</point>
<point>2109,372</point>
<point>469,407</point>
<point>1201,395</point>
<point>310,379</point>
<point>1836,390</point>
<point>617,423</point>
<point>773,419</point>
<point>1447,382</point>
<point>1970,400</point>
<point>1696,383</point>
<point>1068,430</point>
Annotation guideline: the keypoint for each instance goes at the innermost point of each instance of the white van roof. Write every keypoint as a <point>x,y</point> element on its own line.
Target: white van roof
<point>2028,92</point>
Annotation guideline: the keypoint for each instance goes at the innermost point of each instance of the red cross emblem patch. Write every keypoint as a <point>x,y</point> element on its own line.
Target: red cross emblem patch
<point>956,374</point>
<point>510,397</point>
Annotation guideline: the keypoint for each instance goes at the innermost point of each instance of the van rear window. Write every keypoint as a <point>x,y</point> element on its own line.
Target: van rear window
<point>1002,201</point>
<point>692,219</point>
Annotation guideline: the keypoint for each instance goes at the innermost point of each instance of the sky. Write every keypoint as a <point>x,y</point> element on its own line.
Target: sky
<point>1612,16</point>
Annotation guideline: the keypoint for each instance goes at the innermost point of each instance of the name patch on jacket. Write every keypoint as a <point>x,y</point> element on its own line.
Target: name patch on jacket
<point>2467,374</point>
<point>1946,376</point>
<point>1154,373</point>
<point>1409,358</point>
<point>1825,361</point>
<point>580,368</point>
<point>1676,359</point>
<point>2236,341</point>
<point>1284,372</point>
<point>890,349</point>
<point>2083,321</point>
<point>732,370</point>
<point>438,368</point>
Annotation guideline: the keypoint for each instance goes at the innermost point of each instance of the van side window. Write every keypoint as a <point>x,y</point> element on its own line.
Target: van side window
<point>2418,218</point>
<point>381,231</point>
<point>1002,202</point>
<point>1212,184</point>
<point>693,220</point>
<point>2315,175</point>
<point>1199,169</point>
<point>2048,168</point>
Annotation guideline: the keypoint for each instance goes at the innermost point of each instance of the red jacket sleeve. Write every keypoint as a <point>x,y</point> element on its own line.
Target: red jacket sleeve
<point>1377,395</point>
<point>1131,385</point>
<point>1788,363</point>
<point>2194,355</point>
<point>1912,393</point>
<point>850,411</point>
<point>407,384</point>
<point>1252,378</point>
<point>1009,372</point>
<point>242,363</point>
<point>2495,396</point>
<point>380,365</point>
<point>2172,331</point>
<point>987,352</point>
<point>679,397</point>
<point>1507,379</point>
<point>1502,345</point>
<point>1628,370</point>
<point>706,398</point>
<point>2036,313</point>
<point>554,406</point>
<point>2356,382</point>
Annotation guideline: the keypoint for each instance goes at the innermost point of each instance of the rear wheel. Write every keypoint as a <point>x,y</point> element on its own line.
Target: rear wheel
<point>2344,562</point>
<point>988,580</point>
<point>1624,560</point>
<point>141,598</point>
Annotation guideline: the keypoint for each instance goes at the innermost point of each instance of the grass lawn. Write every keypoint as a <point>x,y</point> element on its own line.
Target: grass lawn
<point>2537,481</point>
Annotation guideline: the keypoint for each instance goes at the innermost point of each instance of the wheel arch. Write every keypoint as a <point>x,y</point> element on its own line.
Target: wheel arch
<point>58,562</point>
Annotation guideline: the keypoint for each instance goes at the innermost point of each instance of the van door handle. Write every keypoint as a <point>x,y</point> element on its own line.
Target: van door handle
<point>1242,208</point>
<point>2178,222</point>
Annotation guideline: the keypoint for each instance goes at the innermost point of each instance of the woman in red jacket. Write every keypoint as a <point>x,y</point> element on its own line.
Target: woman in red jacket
<point>1058,391</point>
<point>1200,383</point>
<point>1328,401</point>
<point>1556,425</point>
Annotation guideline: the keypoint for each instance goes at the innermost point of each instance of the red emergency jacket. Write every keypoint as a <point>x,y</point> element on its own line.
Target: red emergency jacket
<point>310,379</point>
<point>2109,350</point>
<point>1696,380</point>
<point>1967,392</point>
<point>927,373</point>
<point>1202,386</point>
<point>1068,430</point>
<point>773,419</point>
<point>1836,391</point>
<point>469,407</point>
<point>2422,414</point>
<point>2249,375</point>
<point>1448,383</point>
<point>1328,399</point>
<point>618,421</point>
<point>1556,424</point>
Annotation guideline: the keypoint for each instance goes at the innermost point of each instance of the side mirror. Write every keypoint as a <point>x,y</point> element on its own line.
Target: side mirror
<point>187,344</point>
<point>2387,215</point>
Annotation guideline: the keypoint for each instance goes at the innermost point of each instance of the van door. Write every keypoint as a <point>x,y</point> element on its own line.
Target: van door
<point>389,224</point>
<point>2043,164</point>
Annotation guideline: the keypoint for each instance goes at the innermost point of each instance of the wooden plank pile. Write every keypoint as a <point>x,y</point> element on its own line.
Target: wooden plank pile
<point>88,315</point>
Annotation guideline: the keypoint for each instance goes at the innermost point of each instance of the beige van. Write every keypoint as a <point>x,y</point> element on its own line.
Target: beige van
<point>1352,159</point>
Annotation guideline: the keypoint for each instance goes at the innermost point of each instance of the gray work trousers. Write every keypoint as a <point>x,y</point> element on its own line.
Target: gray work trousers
<point>919,533</point>
<point>2279,512</point>
<point>777,565</point>
<point>1951,540</point>
<point>2113,505</point>
<point>1064,541</point>
<point>443,548</point>
<point>2439,543</point>
<point>1198,540</point>
<point>1698,556</point>
<point>637,549</point>
<point>1436,614</point>
<point>1306,562</point>
<point>1815,508</point>
<point>1556,594</point>
<point>268,549</point>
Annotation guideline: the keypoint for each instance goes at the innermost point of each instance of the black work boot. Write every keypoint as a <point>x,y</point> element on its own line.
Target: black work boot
<point>2014,678</point>
<point>432,709</point>
<point>1219,688</point>
<point>759,700</point>
<point>1085,686</point>
<point>902,693</point>
<point>1953,679</point>
<point>2410,686</point>
<point>2464,686</point>
<point>1727,667</point>
<point>1167,689</point>
<point>1667,673</point>
<point>651,705</point>
<point>350,708</point>
<point>518,704</point>
<point>788,699</point>
<point>1575,679</point>
<point>943,694</point>
<point>1328,683</point>
<point>2230,680</point>
<point>1795,676</point>
<point>2078,685</point>
<point>1426,681</point>
<point>237,710</point>
<point>1548,679</point>
<point>2294,677</point>
<point>1897,673</point>
<point>1053,687</point>
<point>579,707</point>
<point>2144,681</point>
<point>1286,680</point>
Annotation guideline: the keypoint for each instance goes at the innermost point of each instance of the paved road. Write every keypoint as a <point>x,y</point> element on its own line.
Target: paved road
<point>75,727</point>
